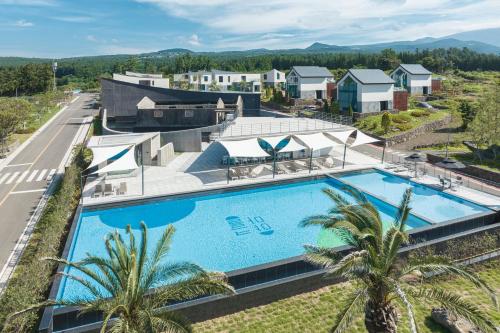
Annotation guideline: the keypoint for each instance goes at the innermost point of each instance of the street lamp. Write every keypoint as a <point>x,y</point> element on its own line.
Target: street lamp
<point>54,69</point>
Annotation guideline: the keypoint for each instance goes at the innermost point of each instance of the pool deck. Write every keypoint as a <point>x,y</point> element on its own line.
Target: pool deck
<point>193,172</point>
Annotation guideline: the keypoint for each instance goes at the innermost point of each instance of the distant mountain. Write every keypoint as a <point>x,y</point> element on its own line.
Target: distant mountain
<point>488,36</point>
<point>400,46</point>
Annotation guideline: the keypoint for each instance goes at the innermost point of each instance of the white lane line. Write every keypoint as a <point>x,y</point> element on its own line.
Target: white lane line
<point>28,191</point>
<point>51,174</point>
<point>11,179</point>
<point>4,177</point>
<point>22,176</point>
<point>16,165</point>
<point>33,174</point>
<point>41,174</point>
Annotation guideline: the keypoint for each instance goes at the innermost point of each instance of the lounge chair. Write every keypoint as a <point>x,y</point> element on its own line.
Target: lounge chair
<point>294,166</point>
<point>108,189</point>
<point>243,172</point>
<point>317,165</point>
<point>123,188</point>
<point>256,171</point>
<point>390,166</point>
<point>98,191</point>
<point>281,169</point>
<point>233,174</point>
<point>329,162</point>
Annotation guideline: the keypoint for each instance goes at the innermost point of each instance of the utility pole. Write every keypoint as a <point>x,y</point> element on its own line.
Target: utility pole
<point>54,69</point>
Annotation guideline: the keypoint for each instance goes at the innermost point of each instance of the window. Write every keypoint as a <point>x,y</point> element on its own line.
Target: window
<point>348,94</point>
<point>188,114</point>
<point>145,82</point>
<point>221,79</point>
<point>243,78</point>
<point>265,76</point>
<point>158,114</point>
<point>228,79</point>
<point>205,78</point>
<point>277,76</point>
<point>186,77</point>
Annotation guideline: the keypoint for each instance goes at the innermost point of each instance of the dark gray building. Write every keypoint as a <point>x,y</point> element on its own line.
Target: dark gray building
<point>121,100</point>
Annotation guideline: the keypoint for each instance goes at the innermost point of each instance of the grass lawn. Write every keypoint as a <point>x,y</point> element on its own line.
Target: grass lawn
<point>315,311</point>
<point>372,124</point>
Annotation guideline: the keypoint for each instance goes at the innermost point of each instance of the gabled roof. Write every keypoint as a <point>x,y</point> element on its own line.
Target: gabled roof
<point>370,76</point>
<point>312,71</point>
<point>415,69</point>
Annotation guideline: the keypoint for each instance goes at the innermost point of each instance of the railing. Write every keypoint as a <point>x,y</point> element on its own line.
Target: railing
<point>284,125</point>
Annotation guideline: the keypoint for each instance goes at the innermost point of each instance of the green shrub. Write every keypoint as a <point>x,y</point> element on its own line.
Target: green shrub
<point>33,277</point>
<point>401,118</point>
<point>386,122</point>
<point>403,127</point>
<point>420,113</point>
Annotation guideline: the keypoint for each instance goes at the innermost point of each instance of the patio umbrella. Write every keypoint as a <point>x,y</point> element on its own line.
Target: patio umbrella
<point>450,163</point>
<point>415,157</point>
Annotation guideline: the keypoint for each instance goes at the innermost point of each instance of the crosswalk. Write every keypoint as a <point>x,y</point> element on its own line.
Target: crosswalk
<point>27,176</point>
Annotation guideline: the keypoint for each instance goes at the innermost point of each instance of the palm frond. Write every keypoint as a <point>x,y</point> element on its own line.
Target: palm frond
<point>409,307</point>
<point>351,308</point>
<point>403,210</point>
<point>458,306</point>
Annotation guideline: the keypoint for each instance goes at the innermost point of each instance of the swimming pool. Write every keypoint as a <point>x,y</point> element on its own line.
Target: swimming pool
<point>427,202</point>
<point>222,232</point>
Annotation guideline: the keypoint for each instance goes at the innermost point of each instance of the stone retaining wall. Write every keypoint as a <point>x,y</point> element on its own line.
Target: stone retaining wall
<point>426,128</point>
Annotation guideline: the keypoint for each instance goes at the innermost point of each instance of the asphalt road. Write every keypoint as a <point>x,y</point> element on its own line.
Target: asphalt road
<point>25,178</point>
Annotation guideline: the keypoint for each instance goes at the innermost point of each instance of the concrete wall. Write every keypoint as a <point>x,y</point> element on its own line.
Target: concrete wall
<point>120,98</point>
<point>420,80</point>
<point>375,92</point>
<point>154,81</point>
<point>188,140</point>
<point>165,154</point>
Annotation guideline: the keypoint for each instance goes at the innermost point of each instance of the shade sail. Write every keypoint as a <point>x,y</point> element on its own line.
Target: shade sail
<point>274,140</point>
<point>341,136</point>
<point>102,154</point>
<point>292,146</point>
<point>362,138</point>
<point>124,163</point>
<point>244,148</point>
<point>316,141</point>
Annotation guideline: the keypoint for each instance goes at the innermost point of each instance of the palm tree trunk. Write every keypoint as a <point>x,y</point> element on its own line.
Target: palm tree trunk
<point>380,318</point>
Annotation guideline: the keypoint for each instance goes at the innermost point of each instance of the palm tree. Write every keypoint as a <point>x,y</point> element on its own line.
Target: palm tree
<point>121,285</point>
<point>382,279</point>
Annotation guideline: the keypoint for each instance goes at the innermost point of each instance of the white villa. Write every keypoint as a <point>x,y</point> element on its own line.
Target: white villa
<point>308,82</point>
<point>414,78</point>
<point>224,80</point>
<point>153,80</point>
<point>365,90</point>
<point>274,78</point>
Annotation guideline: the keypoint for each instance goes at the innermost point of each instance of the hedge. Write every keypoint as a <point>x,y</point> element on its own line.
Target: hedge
<point>31,281</point>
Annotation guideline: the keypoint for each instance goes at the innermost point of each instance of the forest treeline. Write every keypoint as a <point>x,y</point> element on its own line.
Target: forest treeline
<point>85,72</point>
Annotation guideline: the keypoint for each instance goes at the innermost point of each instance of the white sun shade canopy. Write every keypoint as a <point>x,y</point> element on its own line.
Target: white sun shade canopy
<point>274,140</point>
<point>124,163</point>
<point>292,146</point>
<point>362,138</point>
<point>102,154</point>
<point>341,136</point>
<point>316,141</point>
<point>244,148</point>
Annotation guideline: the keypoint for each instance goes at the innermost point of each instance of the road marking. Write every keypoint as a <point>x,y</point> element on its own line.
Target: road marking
<point>33,174</point>
<point>41,174</point>
<point>4,177</point>
<point>28,191</point>
<point>22,176</point>
<point>16,165</point>
<point>11,179</point>
<point>51,174</point>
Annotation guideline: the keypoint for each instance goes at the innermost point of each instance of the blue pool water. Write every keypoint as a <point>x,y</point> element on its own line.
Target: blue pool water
<point>222,232</point>
<point>427,202</point>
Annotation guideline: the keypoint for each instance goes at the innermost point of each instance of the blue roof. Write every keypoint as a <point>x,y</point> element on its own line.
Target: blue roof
<point>371,76</point>
<point>312,71</point>
<point>415,69</point>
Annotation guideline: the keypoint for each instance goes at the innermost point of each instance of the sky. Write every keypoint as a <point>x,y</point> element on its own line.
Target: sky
<point>68,28</point>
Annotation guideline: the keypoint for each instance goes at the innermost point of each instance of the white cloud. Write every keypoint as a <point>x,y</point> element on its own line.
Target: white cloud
<point>23,24</point>
<point>194,40</point>
<point>91,38</point>
<point>74,19</point>
<point>356,21</point>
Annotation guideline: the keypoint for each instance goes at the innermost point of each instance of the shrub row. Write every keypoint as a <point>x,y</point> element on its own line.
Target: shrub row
<point>32,278</point>
<point>420,113</point>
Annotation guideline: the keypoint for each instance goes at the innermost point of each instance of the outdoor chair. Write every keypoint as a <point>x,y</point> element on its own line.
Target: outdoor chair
<point>256,171</point>
<point>98,191</point>
<point>233,174</point>
<point>108,189</point>
<point>243,173</point>
<point>281,169</point>
<point>123,188</point>
<point>316,164</point>
<point>329,162</point>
